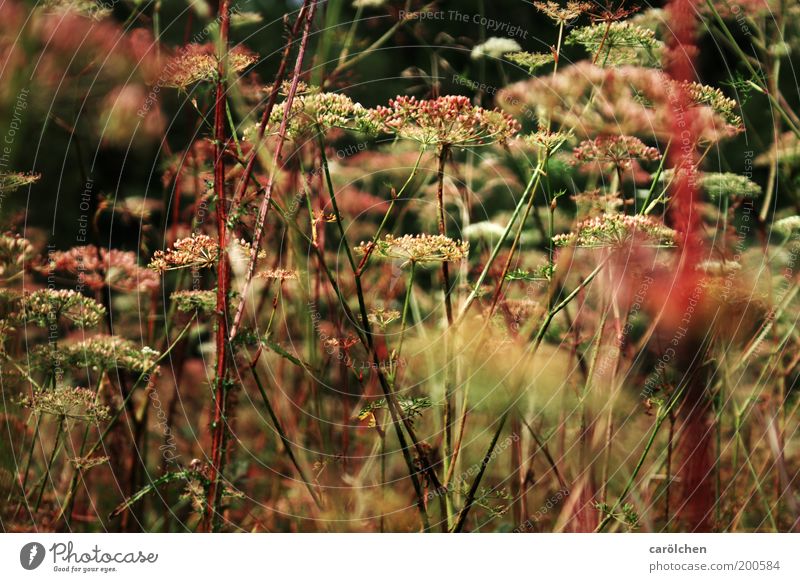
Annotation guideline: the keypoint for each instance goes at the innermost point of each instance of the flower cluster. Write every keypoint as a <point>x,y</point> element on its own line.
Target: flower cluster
<point>278,274</point>
<point>382,317</point>
<point>10,181</point>
<point>317,111</point>
<point>418,249</point>
<point>624,100</point>
<point>619,43</point>
<point>563,15</point>
<point>197,251</point>
<point>716,100</point>
<point>98,268</point>
<point>531,61</point>
<point>73,403</point>
<point>613,230</point>
<point>614,152</point>
<point>450,120</point>
<point>15,251</point>
<point>198,63</point>
<point>720,185</point>
<point>787,226</point>
<point>546,140</point>
<point>46,306</point>
<point>595,202</point>
<point>192,301</point>
<point>495,47</point>
<point>100,353</point>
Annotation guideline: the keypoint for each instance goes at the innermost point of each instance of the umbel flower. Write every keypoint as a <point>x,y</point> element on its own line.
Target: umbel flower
<point>198,63</point>
<point>720,185</point>
<point>531,61</point>
<point>614,230</point>
<point>107,352</point>
<point>622,100</point>
<point>15,251</point>
<point>197,251</point>
<point>99,267</point>
<point>278,274</point>
<point>563,14</point>
<point>616,151</point>
<point>46,306</point>
<point>192,301</point>
<point>317,111</point>
<point>787,226</point>
<point>419,249</point>
<point>10,181</point>
<point>450,120</point>
<point>619,43</point>
<point>72,403</point>
<point>382,317</point>
<point>494,47</point>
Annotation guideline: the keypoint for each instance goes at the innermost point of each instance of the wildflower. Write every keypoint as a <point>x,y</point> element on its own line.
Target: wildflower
<point>531,61</point>
<point>624,100</point>
<point>197,251</point>
<point>720,185</point>
<point>450,120</point>
<point>317,111</point>
<point>616,151</point>
<point>73,403</point>
<point>98,268</point>
<point>279,274</point>
<point>620,43</point>
<point>383,317</point>
<point>191,301</point>
<point>547,140</point>
<point>15,251</point>
<point>563,15</point>
<point>716,100</point>
<point>494,47</point>
<point>46,306</point>
<point>104,352</point>
<point>787,226</point>
<point>418,249</point>
<point>10,181</point>
<point>198,63</point>
<point>612,230</point>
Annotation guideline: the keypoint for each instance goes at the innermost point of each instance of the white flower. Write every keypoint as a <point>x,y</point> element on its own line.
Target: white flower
<point>368,3</point>
<point>495,48</point>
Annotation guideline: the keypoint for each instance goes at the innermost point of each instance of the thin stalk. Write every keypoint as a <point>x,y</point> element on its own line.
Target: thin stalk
<point>473,490</point>
<point>258,233</point>
<point>56,449</point>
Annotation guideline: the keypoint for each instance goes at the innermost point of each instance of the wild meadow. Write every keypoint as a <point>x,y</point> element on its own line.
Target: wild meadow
<point>397,266</point>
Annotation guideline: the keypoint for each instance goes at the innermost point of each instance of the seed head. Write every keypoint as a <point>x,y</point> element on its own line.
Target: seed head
<point>197,251</point>
<point>418,249</point>
<point>615,230</point>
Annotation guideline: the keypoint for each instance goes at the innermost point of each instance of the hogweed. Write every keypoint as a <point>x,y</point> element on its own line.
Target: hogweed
<point>192,301</point>
<point>618,43</point>
<point>563,15</point>
<point>198,63</point>
<point>494,47</point>
<point>316,111</point>
<point>46,306</point>
<point>72,403</point>
<point>419,249</point>
<point>614,230</point>
<point>614,152</point>
<point>98,268</point>
<point>451,120</point>
<point>197,251</point>
<point>531,61</point>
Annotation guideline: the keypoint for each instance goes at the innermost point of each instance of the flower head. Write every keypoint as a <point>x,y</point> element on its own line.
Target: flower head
<point>73,403</point>
<point>278,274</point>
<point>197,251</point>
<point>46,306</point>
<point>565,14</point>
<point>418,249</point>
<point>531,61</point>
<point>193,301</point>
<point>619,43</point>
<point>99,267</point>
<point>494,47</point>
<point>450,120</point>
<point>198,63</point>
<point>613,230</point>
<point>617,151</point>
<point>316,111</point>
<point>382,317</point>
<point>15,251</point>
<point>10,181</point>
<point>107,352</point>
